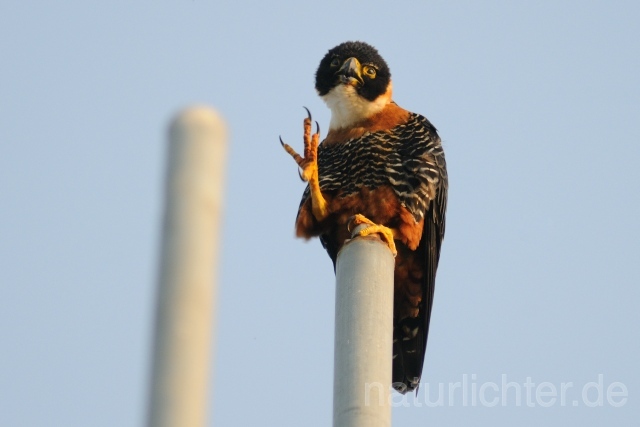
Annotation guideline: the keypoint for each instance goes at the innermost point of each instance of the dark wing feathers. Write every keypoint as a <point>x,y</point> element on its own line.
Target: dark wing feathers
<point>409,354</point>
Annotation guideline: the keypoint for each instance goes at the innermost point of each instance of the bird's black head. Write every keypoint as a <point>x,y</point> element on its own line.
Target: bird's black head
<point>357,64</point>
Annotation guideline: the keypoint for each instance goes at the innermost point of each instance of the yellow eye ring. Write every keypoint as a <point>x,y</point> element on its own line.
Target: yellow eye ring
<point>369,71</point>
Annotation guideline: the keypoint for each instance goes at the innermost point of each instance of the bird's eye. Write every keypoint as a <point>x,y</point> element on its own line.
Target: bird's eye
<point>335,62</point>
<point>370,71</point>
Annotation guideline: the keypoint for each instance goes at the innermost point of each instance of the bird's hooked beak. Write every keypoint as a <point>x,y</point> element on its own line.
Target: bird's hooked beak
<point>351,72</point>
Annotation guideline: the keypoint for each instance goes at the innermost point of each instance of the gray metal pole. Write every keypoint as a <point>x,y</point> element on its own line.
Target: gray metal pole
<point>186,294</point>
<point>364,334</point>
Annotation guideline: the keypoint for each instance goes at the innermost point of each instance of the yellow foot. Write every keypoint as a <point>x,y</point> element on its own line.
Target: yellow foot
<point>308,163</point>
<point>309,166</point>
<point>385,232</point>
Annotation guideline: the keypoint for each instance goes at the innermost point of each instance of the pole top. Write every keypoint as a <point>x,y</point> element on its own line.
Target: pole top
<point>197,120</point>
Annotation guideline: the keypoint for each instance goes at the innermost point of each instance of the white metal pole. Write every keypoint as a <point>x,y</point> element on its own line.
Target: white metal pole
<point>364,334</point>
<point>186,294</point>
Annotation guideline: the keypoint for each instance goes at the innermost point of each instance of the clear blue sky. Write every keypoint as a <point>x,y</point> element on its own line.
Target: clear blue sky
<point>538,106</point>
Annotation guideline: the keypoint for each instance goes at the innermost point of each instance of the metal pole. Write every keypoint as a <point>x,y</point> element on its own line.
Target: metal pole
<point>364,334</point>
<point>186,294</point>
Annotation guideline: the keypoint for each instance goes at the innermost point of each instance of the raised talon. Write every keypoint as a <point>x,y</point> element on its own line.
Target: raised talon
<point>291,152</point>
<point>386,234</point>
<point>309,166</point>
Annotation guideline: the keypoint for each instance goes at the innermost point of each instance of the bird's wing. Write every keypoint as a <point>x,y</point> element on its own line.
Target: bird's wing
<point>426,198</point>
<point>432,237</point>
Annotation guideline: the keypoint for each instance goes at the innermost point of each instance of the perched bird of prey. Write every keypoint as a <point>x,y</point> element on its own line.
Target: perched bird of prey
<point>383,166</point>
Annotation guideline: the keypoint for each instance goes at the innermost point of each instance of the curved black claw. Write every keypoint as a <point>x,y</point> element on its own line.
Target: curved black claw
<point>317,127</point>
<point>350,223</point>
<point>300,175</point>
<point>308,112</point>
<point>281,141</point>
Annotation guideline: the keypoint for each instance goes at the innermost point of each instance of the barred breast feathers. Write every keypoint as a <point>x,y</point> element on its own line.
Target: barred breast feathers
<point>405,158</point>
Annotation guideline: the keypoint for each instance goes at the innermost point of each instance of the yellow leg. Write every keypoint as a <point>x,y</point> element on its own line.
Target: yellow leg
<point>309,166</point>
<point>385,233</point>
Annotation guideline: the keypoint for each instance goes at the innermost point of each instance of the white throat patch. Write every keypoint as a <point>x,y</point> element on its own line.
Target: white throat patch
<point>348,108</point>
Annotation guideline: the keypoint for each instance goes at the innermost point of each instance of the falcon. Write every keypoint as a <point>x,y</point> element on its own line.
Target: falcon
<point>382,166</point>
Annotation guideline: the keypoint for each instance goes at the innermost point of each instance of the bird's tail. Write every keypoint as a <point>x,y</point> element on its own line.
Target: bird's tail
<point>408,354</point>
